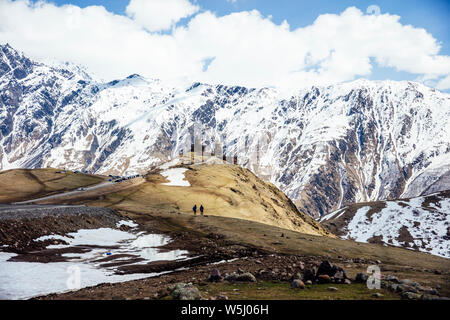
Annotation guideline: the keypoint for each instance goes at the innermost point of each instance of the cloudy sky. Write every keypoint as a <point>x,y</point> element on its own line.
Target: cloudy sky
<point>240,42</point>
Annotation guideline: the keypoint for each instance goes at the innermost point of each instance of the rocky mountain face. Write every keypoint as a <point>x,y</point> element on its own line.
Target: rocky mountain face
<point>421,223</point>
<point>325,147</point>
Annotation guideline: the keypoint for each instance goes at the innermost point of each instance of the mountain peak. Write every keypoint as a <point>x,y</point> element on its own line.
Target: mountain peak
<point>14,62</point>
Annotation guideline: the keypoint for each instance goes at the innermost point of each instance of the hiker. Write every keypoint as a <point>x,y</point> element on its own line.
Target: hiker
<point>195,209</point>
<point>201,209</point>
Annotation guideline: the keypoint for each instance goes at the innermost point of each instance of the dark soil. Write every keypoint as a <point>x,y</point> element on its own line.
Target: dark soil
<point>18,231</point>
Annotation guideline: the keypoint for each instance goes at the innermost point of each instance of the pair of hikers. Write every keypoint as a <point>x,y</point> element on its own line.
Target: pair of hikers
<point>195,209</point>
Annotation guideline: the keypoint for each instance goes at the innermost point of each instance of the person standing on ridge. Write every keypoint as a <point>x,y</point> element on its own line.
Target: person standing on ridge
<point>201,209</point>
<point>195,209</point>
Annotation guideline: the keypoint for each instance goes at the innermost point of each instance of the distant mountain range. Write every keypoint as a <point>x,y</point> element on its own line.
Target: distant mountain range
<point>325,147</point>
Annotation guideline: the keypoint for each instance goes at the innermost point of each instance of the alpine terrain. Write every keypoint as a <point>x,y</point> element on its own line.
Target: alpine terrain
<point>325,147</point>
<point>421,223</point>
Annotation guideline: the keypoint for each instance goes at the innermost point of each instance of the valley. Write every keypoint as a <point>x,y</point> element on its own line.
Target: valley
<point>271,253</point>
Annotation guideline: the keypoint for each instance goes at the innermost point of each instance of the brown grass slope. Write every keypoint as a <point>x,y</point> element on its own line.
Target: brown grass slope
<point>224,190</point>
<point>26,184</point>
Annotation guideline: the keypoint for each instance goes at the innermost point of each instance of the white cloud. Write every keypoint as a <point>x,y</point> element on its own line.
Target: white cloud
<point>444,83</point>
<point>157,15</point>
<point>242,48</point>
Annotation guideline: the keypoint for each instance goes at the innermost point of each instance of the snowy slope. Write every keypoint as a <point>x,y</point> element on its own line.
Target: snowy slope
<point>421,223</point>
<point>326,147</point>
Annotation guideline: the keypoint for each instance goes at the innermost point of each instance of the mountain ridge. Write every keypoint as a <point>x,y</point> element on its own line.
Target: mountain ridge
<point>325,147</point>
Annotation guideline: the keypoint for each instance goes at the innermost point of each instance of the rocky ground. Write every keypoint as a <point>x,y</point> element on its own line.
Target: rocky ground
<point>20,225</point>
<point>238,269</point>
<point>230,280</point>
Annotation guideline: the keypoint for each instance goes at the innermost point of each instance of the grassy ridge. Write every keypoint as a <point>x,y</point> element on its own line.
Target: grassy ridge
<point>25,184</point>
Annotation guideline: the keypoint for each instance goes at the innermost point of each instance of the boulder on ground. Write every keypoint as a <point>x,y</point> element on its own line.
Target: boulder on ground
<point>185,291</point>
<point>324,278</point>
<point>410,296</point>
<point>406,288</point>
<point>326,268</point>
<point>361,278</point>
<point>297,284</point>
<point>410,283</point>
<point>390,278</point>
<point>332,289</point>
<point>392,287</point>
<point>309,274</point>
<point>215,276</point>
<point>340,276</point>
<point>298,276</point>
<point>244,277</point>
<point>337,273</point>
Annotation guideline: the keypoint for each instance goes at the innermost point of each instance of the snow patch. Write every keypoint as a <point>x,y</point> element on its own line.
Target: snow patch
<point>22,280</point>
<point>176,177</point>
<point>128,223</point>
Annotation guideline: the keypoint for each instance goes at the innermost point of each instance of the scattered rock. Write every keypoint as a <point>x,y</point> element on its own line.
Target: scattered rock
<point>392,287</point>
<point>326,268</point>
<point>332,289</point>
<point>309,274</point>
<point>361,278</point>
<point>308,282</point>
<point>297,284</point>
<point>324,278</point>
<point>431,291</point>
<point>185,291</point>
<point>336,273</point>
<point>409,283</point>
<point>347,281</point>
<point>377,295</point>
<point>393,279</point>
<point>298,276</point>
<point>339,276</point>
<point>378,262</point>
<point>406,288</point>
<point>215,276</point>
<point>220,297</point>
<point>244,277</point>
<point>411,296</point>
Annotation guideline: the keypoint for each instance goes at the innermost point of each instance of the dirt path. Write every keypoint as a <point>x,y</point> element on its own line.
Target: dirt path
<point>85,190</point>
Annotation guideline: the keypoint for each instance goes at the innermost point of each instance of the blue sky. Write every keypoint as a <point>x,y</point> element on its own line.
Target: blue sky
<point>431,15</point>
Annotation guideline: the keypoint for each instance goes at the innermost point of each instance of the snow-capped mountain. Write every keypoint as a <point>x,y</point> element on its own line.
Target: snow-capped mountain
<point>325,147</point>
<point>421,223</point>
